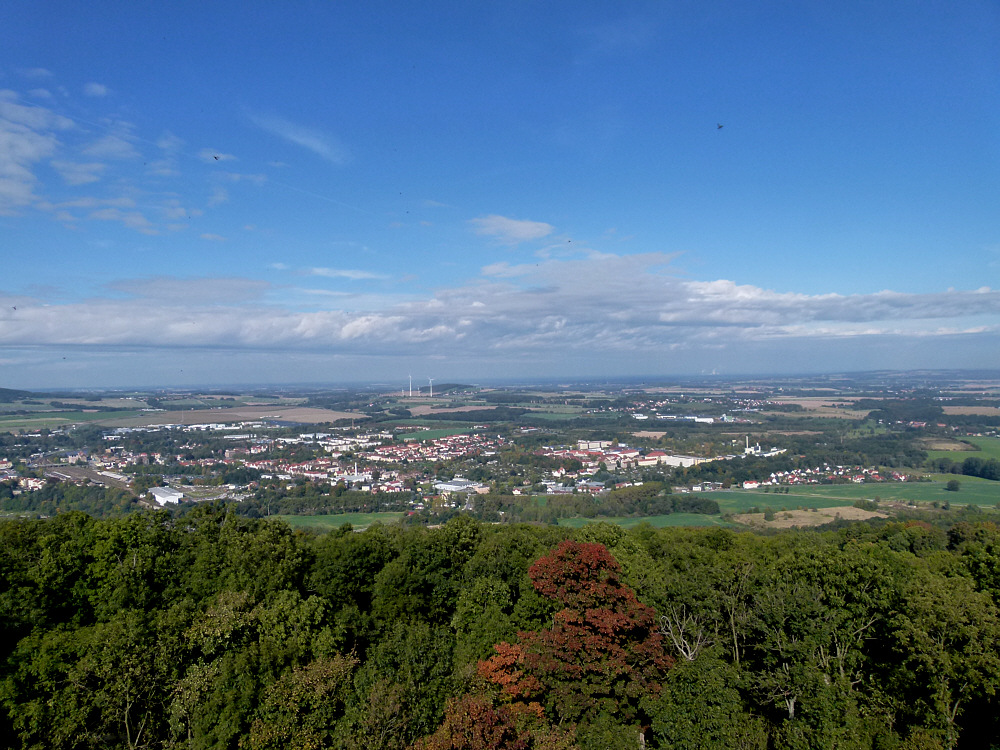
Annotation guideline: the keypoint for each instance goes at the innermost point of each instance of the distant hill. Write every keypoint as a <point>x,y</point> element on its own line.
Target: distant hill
<point>7,395</point>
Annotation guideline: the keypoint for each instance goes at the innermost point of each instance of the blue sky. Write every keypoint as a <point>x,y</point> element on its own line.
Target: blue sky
<point>225,193</point>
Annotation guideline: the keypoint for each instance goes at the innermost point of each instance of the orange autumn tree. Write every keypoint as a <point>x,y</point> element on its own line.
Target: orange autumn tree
<point>601,656</point>
<point>603,653</point>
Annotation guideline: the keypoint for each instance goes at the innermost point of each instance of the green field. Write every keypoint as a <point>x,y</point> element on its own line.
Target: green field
<point>741,501</point>
<point>50,419</point>
<point>672,519</point>
<point>988,448</point>
<point>328,523</point>
<point>973,491</point>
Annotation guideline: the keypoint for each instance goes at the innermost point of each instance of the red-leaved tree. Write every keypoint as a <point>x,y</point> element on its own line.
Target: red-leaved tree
<point>603,653</point>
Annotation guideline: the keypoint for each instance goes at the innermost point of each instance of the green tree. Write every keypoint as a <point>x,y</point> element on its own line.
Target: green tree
<point>946,640</point>
<point>701,706</point>
<point>302,709</point>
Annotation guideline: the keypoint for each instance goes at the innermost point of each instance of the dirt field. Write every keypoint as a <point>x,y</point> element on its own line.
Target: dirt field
<point>945,445</point>
<point>787,519</point>
<point>302,414</point>
<point>988,411</point>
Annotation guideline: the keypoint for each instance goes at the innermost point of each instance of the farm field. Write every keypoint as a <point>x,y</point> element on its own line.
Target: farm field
<point>988,448</point>
<point>989,411</point>
<point>974,490</point>
<point>300,414</point>
<point>335,521</point>
<point>741,501</point>
<point>38,418</point>
<point>804,518</point>
<point>81,404</point>
<point>816,406</point>
<point>51,419</point>
<point>425,409</point>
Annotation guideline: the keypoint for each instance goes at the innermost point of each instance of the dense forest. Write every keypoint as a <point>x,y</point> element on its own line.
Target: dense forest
<point>211,630</point>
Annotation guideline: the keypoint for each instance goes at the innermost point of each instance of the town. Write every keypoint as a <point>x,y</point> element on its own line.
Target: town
<point>425,458</point>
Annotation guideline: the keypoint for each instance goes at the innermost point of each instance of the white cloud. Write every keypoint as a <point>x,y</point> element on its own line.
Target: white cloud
<point>213,237</point>
<point>255,179</point>
<point>131,219</point>
<point>92,202</point>
<point>173,209</point>
<point>172,146</point>
<point>320,143</point>
<point>511,231</point>
<point>96,89</point>
<point>345,273</point>
<point>27,136</point>
<point>163,168</point>
<point>111,146</point>
<point>75,173</point>
<point>36,73</point>
<point>169,142</point>
<point>219,196</point>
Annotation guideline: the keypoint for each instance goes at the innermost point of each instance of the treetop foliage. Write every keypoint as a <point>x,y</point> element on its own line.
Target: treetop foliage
<point>209,630</point>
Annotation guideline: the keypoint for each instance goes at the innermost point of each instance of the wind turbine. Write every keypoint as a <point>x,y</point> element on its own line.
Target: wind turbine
<point>411,385</point>
<point>431,383</point>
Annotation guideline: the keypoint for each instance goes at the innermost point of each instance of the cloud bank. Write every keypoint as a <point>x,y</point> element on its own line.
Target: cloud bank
<point>596,308</point>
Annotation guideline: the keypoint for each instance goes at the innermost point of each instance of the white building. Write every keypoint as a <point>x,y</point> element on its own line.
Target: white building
<point>164,495</point>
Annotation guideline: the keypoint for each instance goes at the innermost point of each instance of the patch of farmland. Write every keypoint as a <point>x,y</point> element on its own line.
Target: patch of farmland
<point>300,414</point>
<point>803,518</point>
<point>987,411</point>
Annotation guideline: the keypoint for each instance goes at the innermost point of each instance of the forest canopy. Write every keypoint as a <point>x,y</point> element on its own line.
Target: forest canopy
<point>210,630</point>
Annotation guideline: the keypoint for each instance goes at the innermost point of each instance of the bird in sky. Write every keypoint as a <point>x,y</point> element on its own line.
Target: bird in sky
<point>718,126</point>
